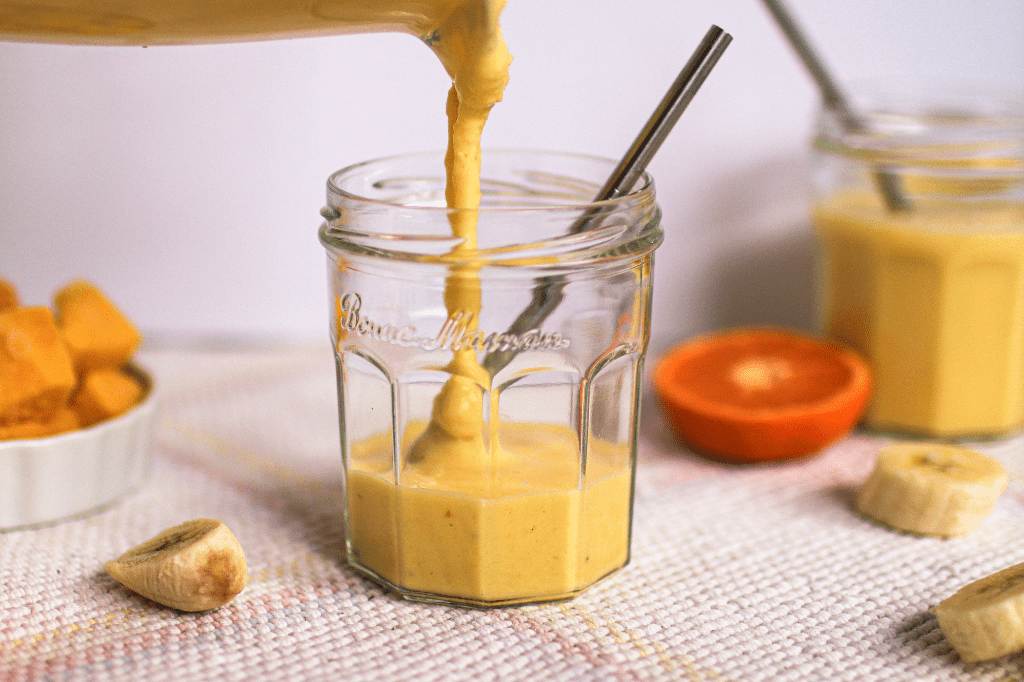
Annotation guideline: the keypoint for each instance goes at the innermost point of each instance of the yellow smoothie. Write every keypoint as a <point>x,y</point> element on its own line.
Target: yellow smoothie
<point>934,298</point>
<point>528,529</point>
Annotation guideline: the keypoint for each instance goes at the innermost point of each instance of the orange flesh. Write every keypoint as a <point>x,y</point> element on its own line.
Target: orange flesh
<point>762,373</point>
<point>759,395</point>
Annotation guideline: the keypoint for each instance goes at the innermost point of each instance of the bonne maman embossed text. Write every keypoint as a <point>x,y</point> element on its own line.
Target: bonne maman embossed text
<point>457,332</point>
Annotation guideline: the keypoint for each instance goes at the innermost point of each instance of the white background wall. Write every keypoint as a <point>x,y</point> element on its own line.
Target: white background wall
<point>186,181</point>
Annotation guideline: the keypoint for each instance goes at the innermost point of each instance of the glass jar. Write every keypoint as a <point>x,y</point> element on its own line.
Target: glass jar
<point>932,292</point>
<point>489,394</point>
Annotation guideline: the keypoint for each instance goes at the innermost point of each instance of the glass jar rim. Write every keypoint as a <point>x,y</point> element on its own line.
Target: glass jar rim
<point>615,241</point>
<point>952,126</point>
<point>645,185</point>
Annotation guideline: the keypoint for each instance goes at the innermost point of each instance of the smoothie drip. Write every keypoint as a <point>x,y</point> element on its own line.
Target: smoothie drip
<point>453,443</point>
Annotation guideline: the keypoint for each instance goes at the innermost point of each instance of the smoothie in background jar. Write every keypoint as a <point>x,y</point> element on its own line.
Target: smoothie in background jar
<point>934,295</point>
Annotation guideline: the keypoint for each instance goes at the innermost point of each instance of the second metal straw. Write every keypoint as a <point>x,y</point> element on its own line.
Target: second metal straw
<point>888,183</point>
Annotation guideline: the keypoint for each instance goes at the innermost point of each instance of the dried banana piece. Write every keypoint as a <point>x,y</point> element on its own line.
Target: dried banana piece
<point>985,619</point>
<point>195,566</point>
<point>932,489</point>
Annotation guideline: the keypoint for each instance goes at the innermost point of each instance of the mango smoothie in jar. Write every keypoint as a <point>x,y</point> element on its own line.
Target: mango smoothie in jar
<point>933,292</point>
<point>489,392</point>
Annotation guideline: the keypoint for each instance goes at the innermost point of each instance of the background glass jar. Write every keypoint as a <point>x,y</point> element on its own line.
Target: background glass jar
<point>933,293</point>
<point>489,395</point>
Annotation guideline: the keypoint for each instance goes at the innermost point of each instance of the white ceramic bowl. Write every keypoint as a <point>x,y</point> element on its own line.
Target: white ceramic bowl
<point>45,480</point>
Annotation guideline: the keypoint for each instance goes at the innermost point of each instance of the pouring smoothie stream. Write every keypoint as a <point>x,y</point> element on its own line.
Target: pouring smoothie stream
<point>516,485</point>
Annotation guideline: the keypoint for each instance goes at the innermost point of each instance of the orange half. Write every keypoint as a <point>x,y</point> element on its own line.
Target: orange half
<point>755,395</point>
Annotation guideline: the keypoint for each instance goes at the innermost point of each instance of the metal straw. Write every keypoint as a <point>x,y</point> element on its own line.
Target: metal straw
<point>671,107</point>
<point>548,292</point>
<point>888,183</point>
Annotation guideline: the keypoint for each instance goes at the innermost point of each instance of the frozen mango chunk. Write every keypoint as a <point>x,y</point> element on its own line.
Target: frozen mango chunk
<point>62,421</point>
<point>104,393</point>
<point>8,296</point>
<point>95,331</point>
<point>36,373</point>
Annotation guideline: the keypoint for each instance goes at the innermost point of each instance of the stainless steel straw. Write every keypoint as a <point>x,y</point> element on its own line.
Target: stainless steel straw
<point>671,107</point>
<point>548,292</point>
<point>888,183</point>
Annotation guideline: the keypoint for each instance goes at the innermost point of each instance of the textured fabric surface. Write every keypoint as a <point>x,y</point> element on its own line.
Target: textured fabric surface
<point>737,573</point>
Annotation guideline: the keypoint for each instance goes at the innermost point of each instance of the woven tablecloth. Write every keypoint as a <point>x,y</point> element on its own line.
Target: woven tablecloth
<point>737,573</point>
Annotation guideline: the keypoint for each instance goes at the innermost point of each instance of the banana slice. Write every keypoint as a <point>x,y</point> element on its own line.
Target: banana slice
<point>985,619</point>
<point>932,489</point>
<point>195,566</point>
